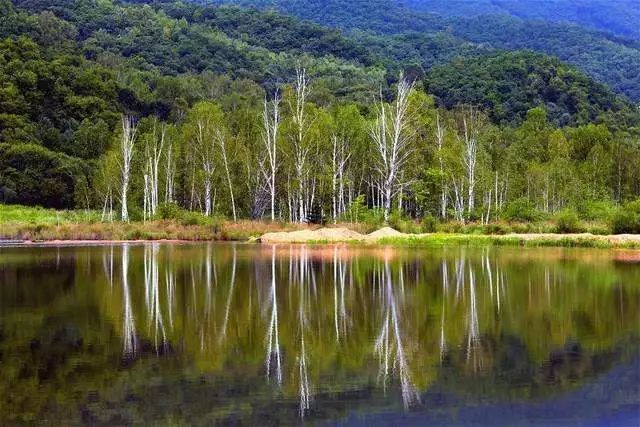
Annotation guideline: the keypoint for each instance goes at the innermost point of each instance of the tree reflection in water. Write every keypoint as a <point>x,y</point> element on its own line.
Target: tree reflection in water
<point>311,325</point>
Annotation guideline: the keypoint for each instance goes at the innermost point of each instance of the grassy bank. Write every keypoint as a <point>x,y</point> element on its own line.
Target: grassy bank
<point>39,224</point>
<point>529,240</point>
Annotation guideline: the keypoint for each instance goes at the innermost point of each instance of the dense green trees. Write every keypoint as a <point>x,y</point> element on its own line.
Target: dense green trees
<point>607,58</point>
<point>617,17</point>
<point>509,84</point>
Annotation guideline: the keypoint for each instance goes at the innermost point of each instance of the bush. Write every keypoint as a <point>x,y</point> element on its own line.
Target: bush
<point>450,227</point>
<point>567,221</point>
<point>596,210</point>
<point>521,210</point>
<point>497,228</point>
<point>358,212</point>
<point>627,219</point>
<point>170,211</point>
<point>402,223</point>
<point>429,224</point>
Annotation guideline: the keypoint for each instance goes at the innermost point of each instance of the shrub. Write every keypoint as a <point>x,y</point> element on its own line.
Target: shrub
<point>596,210</point>
<point>567,221</point>
<point>521,210</point>
<point>358,212</point>
<point>450,227</point>
<point>170,211</point>
<point>402,223</point>
<point>627,219</point>
<point>497,228</point>
<point>429,224</point>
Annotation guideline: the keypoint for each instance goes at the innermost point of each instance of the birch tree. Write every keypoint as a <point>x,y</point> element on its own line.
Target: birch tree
<point>340,157</point>
<point>154,145</point>
<point>269,164</point>
<point>127,140</point>
<point>205,127</point>
<point>470,122</point>
<point>392,136</point>
<point>439,135</point>
<point>297,131</point>
<point>170,166</point>
<point>222,143</point>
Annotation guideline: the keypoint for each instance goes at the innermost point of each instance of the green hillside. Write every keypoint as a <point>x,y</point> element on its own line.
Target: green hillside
<point>606,58</point>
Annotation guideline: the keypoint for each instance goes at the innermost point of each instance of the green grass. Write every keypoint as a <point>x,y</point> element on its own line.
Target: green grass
<point>43,216</point>
<point>38,224</point>
<point>438,240</point>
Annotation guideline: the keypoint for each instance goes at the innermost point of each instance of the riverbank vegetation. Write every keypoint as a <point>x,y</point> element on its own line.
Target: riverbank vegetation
<point>173,115</point>
<point>173,223</point>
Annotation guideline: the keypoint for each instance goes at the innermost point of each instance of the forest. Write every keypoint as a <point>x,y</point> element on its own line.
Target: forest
<point>143,110</point>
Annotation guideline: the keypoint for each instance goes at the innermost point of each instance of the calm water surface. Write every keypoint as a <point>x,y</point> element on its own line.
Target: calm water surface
<point>249,334</point>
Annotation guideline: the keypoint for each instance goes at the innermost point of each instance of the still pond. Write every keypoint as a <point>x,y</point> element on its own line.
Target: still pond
<point>202,334</point>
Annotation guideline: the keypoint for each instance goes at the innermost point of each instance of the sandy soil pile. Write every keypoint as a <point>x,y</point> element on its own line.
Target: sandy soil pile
<point>321,234</point>
<point>385,232</point>
<point>346,235</point>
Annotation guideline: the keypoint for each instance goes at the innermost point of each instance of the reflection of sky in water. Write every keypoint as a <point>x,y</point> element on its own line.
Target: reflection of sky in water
<point>220,332</point>
<point>611,400</point>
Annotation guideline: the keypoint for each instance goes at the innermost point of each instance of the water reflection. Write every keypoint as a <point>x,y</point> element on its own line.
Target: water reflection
<point>312,325</point>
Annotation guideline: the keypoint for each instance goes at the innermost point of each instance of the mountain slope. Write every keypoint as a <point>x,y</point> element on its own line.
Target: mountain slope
<point>509,84</point>
<point>618,17</point>
<point>610,61</point>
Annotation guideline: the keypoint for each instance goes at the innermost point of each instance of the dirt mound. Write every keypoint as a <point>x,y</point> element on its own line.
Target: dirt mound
<point>322,234</point>
<point>384,232</point>
<point>328,235</point>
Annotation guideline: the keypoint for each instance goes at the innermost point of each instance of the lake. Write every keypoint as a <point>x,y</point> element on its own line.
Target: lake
<point>257,334</point>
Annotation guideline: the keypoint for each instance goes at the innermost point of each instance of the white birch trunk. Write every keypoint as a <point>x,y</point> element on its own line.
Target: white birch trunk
<point>126,150</point>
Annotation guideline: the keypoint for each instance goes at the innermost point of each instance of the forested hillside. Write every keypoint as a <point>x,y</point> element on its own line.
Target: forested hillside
<point>618,17</point>
<point>508,84</point>
<point>146,109</point>
<point>606,58</point>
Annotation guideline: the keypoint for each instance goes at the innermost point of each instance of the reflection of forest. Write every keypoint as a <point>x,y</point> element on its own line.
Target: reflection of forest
<point>229,332</point>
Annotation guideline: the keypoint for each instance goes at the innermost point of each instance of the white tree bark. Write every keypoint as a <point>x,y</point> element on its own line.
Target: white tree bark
<point>443,188</point>
<point>170,174</point>
<point>469,139</point>
<point>271,124</point>
<point>300,148</point>
<point>225,161</point>
<point>126,150</point>
<point>392,139</point>
<point>205,149</point>
<point>339,161</point>
<point>154,148</point>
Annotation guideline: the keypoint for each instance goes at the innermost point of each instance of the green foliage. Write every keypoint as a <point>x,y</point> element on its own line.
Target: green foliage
<point>66,104</point>
<point>567,221</point>
<point>33,175</point>
<point>429,224</point>
<point>596,210</point>
<point>627,219</point>
<point>172,211</point>
<point>360,213</point>
<point>610,60</point>
<point>618,17</point>
<point>69,70</point>
<point>509,84</point>
<point>521,209</point>
<point>403,224</point>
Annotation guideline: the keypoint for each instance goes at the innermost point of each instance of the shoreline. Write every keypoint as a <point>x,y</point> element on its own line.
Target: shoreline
<point>382,237</point>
